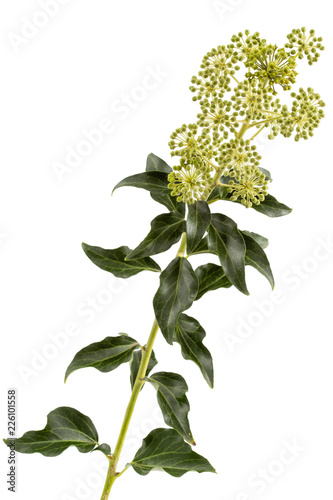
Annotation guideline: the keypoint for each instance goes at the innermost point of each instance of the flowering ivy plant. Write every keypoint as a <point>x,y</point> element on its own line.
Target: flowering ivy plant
<point>217,162</point>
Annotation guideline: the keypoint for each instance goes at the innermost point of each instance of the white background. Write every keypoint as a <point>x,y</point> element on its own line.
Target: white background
<point>274,384</point>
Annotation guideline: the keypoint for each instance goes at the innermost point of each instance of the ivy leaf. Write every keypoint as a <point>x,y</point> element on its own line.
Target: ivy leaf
<point>271,207</point>
<point>156,183</point>
<point>135,363</point>
<point>226,241</point>
<point>256,257</point>
<point>210,277</point>
<point>198,220</point>
<point>171,396</point>
<point>267,173</point>
<point>65,427</point>
<point>114,261</point>
<point>105,356</point>
<point>202,247</point>
<point>164,449</point>
<point>261,240</point>
<point>189,334</point>
<point>166,230</point>
<point>176,293</point>
<point>104,448</point>
<point>156,164</point>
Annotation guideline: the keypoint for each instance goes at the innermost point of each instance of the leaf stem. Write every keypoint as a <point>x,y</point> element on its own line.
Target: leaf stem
<point>112,475</point>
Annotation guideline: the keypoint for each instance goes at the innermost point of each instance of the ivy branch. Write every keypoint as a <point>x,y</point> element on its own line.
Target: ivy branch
<point>217,162</point>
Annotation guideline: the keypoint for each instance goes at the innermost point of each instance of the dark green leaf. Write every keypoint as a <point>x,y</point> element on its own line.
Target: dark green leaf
<point>114,261</point>
<point>105,356</point>
<point>65,427</point>
<point>166,230</point>
<point>226,241</point>
<point>176,293</point>
<point>202,247</point>
<point>261,240</point>
<point>157,184</point>
<point>210,277</point>
<point>198,220</point>
<point>156,164</point>
<point>271,207</point>
<point>104,448</point>
<point>135,363</point>
<point>164,449</point>
<point>171,396</point>
<point>256,257</point>
<point>189,334</point>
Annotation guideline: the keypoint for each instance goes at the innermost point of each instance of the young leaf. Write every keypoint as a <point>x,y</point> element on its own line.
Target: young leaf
<point>171,396</point>
<point>189,334</point>
<point>198,220</point>
<point>226,241</point>
<point>166,230</point>
<point>210,277</point>
<point>156,164</point>
<point>261,240</point>
<point>157,184</point>
<point>176,293</point>
<point>114,261</point>
<point>256,257</point>
<point>65,427</point>
<point>105,356</point>
<point>104,448</point>
<point>135,363</point>
<point>165,449</point>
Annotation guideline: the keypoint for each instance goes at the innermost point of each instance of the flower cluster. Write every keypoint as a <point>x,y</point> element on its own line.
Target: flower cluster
<point>301,44</point>
<point>304,116</point>
<point>205,156</point>
<point>191,180</point>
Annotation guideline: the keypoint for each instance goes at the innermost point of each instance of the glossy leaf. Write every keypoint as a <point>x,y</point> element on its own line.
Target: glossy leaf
<point>176,293</point>
<point>272,208</point>
<point>105,356</point>
<point>189,334</point>
<point>65,427</point>
<point>198,220</point>
<point>210,277</point>
<point>157,184</point>
<point>256,257</point>
<point>114,261</point>
<point>104,448</point>
<point>171,396</point>
<point>165,449</point>
<point>226,241</point>
<point>202,247</point>
<point>261,240</point>
<point>156,164</point>
<point>135,364</point>
<point>166,230</point>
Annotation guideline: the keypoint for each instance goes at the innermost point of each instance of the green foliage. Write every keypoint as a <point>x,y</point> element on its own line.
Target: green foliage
<point>226,241</point>
<point>189,334</point>
<point>171,396</point>
<point>166,230</point>
<point>256,257</point>
<point>210,277</point>
<point>198,220</point>
<point>176,293</point>
<point>114,261</point>
<point>105,356</point>
<point>65,427</point>
<point>165,449</point>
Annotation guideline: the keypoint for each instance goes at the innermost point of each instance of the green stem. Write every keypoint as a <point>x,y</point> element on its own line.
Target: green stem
<point>112,475</point>
<point>262,128</point>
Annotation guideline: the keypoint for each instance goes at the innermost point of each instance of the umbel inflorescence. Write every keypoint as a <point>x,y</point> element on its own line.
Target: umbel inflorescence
<point>217,150</point>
